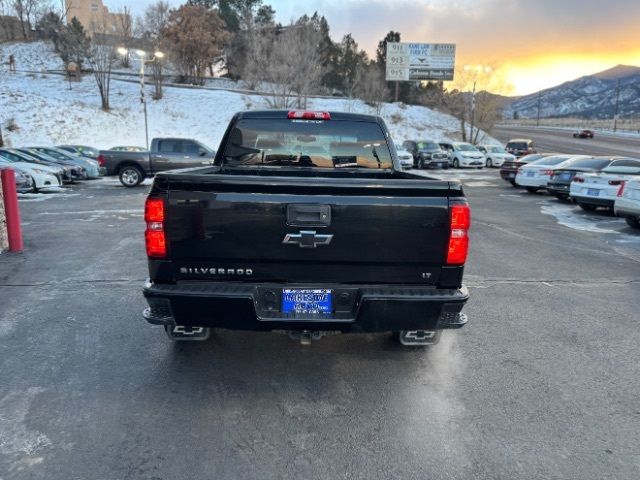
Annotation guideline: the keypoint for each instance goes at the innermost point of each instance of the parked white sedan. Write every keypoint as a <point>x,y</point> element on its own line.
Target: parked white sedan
<point>495,155</point>
<point>535,175</point>
<point>405,157</point>
<point>593,190</point>
<point>42,175</point>
<point>627,204</point>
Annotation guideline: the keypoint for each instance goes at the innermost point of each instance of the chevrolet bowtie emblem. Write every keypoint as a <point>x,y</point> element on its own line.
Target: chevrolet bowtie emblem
<point>307,239</point>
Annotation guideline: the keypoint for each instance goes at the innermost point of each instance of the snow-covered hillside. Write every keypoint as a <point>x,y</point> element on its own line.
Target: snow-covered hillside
<point>592,96</point>
<point>48,110</point>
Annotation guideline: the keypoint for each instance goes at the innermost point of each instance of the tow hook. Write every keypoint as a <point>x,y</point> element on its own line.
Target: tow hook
<point>183,333</point>
<point>305,336</point>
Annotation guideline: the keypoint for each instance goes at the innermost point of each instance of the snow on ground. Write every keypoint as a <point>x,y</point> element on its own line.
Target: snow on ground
<point>572,217</point>
<point>36,56</point>
<point>49,110</point>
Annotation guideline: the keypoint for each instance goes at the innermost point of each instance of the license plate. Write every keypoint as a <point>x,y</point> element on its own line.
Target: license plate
<point>530,174</point>
<point>593,192</point>
<point>565,176</point>
<point>511,175</point>
<point>306,301</point>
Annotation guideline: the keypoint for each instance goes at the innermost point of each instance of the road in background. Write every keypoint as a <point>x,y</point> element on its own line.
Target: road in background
<point>544,381</point>
<point>562,141</point>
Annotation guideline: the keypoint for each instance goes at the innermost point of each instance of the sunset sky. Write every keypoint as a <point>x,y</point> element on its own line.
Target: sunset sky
<point>533,43</point>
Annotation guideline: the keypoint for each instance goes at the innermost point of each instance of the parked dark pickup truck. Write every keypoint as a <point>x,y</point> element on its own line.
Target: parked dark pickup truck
<point>165,154</point>
<point>306,224</point>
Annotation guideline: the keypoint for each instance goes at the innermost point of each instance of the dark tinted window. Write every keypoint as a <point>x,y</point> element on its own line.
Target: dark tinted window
<point>190,147</point>
<point>596,163</point>
<point>518,145</point>
<point>428,146</point>
<point>307,143</point>
<point>169,146</point>
<point>89,151</point>
<point>551,161</point>
<point>53,153</point>
<point>531,158</point>
<point>626,163</point>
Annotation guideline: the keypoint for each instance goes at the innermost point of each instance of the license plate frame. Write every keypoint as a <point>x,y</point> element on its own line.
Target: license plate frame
<point>307,301</point>
<point>593,192</point>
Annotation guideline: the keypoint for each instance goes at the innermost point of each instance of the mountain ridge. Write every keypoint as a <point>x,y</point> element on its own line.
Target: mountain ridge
<point>589,96</point>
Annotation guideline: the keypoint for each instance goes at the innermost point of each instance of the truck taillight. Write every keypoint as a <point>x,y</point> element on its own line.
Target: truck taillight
<point>101,161</point>
<point>155,239</point>
<point>459,236</point>
<point>308,115</point>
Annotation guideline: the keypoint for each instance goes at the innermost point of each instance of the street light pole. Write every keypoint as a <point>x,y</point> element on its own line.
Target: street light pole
<point>144,103</point>
<point>141,57</point>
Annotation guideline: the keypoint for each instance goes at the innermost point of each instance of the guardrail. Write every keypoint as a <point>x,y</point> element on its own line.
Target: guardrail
<point>135,78</point>
<point>631,126</point>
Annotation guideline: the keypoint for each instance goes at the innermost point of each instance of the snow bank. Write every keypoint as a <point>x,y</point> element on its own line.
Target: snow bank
<point>49,110</point>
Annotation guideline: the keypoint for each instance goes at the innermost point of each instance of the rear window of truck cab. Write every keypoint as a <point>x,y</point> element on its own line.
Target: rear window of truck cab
<point>333,144</point>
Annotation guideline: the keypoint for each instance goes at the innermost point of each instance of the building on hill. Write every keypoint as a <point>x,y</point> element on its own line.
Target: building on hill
<point>95,17</point>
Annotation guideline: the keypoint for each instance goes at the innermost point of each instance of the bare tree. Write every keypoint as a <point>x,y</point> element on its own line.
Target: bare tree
<point>101,58</point>
<point>124,29</point>
<point>151,28</point>
<point>371,86</point>
<point>6,22</point>
<point>28,13</point>
<point>287,64</point>
<point>309,71</point>
<point>471,102</point>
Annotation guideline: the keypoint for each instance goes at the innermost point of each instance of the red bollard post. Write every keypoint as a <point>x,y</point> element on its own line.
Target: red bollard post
<point>11,210</point>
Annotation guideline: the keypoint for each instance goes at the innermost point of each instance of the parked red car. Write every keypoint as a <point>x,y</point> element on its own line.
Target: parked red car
<point>583,134</point>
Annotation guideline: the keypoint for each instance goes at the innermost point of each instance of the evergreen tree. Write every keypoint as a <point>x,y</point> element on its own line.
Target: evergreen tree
<point>72,43</point>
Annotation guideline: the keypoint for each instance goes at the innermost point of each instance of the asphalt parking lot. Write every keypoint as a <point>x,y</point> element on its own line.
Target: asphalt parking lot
<point>544,381</point>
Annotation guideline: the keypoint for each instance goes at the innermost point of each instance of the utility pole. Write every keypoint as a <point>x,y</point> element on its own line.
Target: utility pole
<point>473,111</point>
<point>615,116</point>
<point>397,90</point>
<point>539,102</point>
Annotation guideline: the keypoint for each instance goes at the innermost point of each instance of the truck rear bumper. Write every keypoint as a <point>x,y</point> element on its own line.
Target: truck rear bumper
<point>357,309</point>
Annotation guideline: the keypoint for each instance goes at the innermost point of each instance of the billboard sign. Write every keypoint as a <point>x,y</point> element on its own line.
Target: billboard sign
<point>420,61</point>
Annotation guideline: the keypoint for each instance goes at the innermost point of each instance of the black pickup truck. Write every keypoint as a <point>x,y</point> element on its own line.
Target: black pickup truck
<point>306,224</point>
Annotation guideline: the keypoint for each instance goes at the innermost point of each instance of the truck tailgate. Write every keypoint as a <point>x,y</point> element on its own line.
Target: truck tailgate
<point>232,227</point>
